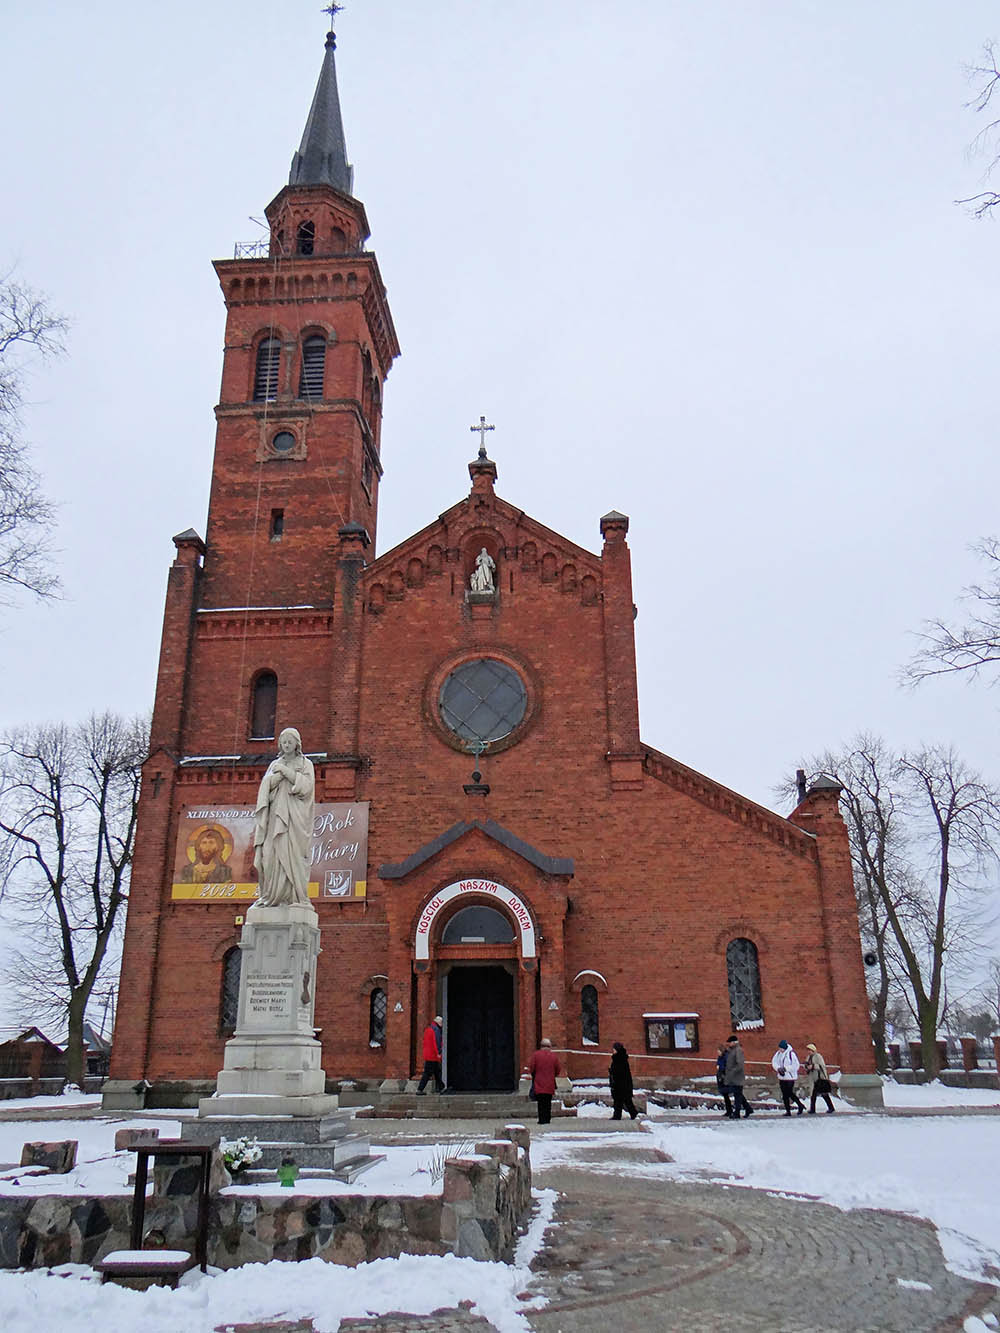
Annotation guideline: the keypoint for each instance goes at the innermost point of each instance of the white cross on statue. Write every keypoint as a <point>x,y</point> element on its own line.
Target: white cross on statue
<point>482,428</point>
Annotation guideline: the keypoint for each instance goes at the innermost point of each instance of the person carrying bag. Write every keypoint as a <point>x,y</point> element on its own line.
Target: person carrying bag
<point>821,1085</point>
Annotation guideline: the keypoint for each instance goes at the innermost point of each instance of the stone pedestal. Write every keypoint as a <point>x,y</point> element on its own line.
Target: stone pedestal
<point>861,1090</point>
<point>272,1063</point>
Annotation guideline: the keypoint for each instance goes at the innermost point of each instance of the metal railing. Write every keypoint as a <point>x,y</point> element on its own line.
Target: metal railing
<point>262,250</point>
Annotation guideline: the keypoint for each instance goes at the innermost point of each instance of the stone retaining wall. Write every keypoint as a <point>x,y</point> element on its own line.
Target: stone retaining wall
<point>476,1215</point>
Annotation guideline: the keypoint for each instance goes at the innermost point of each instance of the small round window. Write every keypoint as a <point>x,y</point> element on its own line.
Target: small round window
<point>483,700</point>
<point>283,442</point>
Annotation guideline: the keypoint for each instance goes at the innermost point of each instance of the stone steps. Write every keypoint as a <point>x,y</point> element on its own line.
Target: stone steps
<point>500,1106</point>
<point>269,1129</point>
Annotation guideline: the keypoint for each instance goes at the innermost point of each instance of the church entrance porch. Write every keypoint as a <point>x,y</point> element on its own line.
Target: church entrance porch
<point>479,1023</point>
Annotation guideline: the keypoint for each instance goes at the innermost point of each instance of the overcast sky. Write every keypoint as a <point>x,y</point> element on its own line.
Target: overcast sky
<point>697,262</point>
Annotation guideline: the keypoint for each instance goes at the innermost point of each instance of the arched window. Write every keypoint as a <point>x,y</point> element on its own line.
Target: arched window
<point>265,380</point>
<point>313,361</point>
<point>230,1003</point>
<point>305,238</point>
<point>264,706</point>
<point>743,972</point>
<point>376,1017</point>
<point>478,925</point>
<point>589,1021</point>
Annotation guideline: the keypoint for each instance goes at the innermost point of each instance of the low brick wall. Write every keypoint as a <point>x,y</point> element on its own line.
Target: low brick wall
<point>476,1215</point>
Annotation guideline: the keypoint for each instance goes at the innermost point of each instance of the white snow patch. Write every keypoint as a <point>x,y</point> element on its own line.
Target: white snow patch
<point>912,1285</point>
<point>937,1094</point>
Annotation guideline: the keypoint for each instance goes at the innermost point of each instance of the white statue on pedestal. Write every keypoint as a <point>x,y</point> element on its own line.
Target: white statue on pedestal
<point>283,825</point>
<point>481,579</point>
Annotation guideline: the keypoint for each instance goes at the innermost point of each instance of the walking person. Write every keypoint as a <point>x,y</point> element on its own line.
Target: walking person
<point>544,1068</point>
<point>620,1079</point>
<point>720,1079</point>
<point>736,1077</point>
<point>432,1056</point>
<point>785,1064</point>
<point>821,1085</point>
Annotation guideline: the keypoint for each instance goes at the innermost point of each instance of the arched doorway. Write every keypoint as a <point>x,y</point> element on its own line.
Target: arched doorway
<point>475,957</point>
<point>478,1000</point>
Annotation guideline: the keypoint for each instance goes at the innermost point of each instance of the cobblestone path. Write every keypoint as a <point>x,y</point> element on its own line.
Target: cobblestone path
<point>632,1253</point>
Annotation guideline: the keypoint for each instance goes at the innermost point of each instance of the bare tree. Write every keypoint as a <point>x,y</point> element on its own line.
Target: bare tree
<point>28,331</point>
<point>985,76</point>
<point>973,645</point>
<point>68,798</point>
<point>924,833</point>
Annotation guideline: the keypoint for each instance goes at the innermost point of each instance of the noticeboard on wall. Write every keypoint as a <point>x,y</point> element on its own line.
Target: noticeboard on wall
<point>213,859</point>
<point>668,1033</point>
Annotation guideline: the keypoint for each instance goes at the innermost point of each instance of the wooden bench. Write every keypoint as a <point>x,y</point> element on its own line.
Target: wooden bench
<point>164,1267</point>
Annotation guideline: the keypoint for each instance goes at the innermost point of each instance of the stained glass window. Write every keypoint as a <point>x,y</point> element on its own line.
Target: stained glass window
<point>483,700</point>
<point>376,1018</point>
<point>589,1015</point>
<point>744,982</point>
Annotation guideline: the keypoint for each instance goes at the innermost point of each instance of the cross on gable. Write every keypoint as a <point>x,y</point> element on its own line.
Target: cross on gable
<point>482,428</point>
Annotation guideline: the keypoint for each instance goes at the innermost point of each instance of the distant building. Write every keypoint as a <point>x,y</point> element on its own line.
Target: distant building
<point>494,842</point>
<point>29,1054</point>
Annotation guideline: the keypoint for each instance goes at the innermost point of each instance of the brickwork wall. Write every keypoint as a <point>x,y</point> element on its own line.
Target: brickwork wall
<point>665,873</point>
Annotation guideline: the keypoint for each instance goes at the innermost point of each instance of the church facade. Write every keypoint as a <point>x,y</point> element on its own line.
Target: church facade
<point>493,840</point>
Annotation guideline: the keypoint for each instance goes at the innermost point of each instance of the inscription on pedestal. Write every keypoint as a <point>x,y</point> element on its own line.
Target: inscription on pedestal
<point>270,999</point>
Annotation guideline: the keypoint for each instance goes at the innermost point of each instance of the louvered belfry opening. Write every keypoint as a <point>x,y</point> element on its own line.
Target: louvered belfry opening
<point>265,380</point>
<point>313,363</point>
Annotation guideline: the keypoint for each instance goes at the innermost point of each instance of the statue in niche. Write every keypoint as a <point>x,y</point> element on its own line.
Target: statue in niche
<point>283,825</point>
<point>482,578</point>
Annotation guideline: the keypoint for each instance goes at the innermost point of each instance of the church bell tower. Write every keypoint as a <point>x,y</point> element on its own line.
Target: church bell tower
<point>309,341</point>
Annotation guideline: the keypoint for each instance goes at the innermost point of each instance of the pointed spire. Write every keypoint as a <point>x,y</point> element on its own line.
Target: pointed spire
<point>322,155</point>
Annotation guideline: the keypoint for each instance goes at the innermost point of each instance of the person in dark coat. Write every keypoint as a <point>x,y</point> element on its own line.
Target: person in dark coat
<point>736,1077</point>
<point>620,1079</point>
<point>432,1056</point>
<point>544,1067</point>
<point>720,1078</point>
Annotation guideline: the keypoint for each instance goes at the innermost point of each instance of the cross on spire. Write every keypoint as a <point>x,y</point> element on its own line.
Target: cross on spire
<point>482,428</point>
<point>333,9</point>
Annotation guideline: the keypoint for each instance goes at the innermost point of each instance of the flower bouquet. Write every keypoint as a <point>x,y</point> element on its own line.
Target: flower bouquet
<point>240,1153</point>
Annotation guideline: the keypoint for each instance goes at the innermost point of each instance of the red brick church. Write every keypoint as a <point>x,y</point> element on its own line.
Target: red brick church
<point>493,840</point>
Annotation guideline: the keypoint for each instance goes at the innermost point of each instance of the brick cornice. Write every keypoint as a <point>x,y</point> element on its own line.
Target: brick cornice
<point>737,808</point>
<point>265,623</point>
<point>450,528</point>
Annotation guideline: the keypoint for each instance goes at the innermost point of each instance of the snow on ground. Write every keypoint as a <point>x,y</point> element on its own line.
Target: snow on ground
<point>74,1099</point>
<point>937,1167</point>
<point>936,1094</point>
<point>99,1169</point>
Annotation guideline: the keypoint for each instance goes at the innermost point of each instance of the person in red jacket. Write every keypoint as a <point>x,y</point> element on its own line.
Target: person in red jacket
<point>432,1056</point>
<point>545,1067</point>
